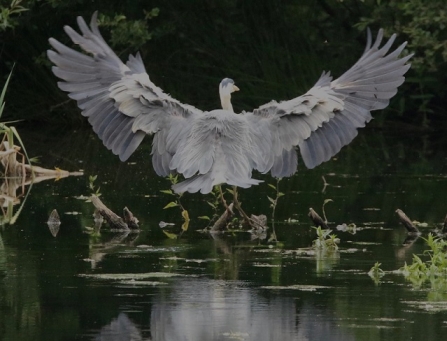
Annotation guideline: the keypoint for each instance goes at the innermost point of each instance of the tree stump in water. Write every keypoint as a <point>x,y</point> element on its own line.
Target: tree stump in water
<point>114,220</point>
<point>407,222</point>
<point>130,219</point>
<point>317,220</point>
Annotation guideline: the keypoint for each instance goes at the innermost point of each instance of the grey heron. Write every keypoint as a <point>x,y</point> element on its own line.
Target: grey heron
<point>219,146</point>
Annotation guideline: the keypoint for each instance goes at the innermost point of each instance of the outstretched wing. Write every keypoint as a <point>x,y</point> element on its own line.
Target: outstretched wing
<point>120,101</point>
<point>326,118</point>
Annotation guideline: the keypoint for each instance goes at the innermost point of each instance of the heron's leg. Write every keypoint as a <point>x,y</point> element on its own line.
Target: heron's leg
<point>237,204</point>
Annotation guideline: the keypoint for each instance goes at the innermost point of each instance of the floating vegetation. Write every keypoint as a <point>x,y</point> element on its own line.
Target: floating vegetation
<point>267,265</point>
<point>351,228</point>
<point>131,276</point>
<point>300,287</point>
<point>143,283</point>
<point>429,306</point>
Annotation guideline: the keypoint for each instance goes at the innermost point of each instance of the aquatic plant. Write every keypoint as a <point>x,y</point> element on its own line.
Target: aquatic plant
<point>91,185</point>
<point>216,195</point>
<point>326,240</point>
<point>376,273</point>
<point>173,179</point>
<point>322,208</point>
<point>433,270</point>
<point>274,201</point>
<point>9,151</point>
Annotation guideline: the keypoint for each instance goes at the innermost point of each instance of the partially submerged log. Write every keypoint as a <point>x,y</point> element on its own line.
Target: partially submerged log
<point>317,220</point>
<point>114,220</point>
<point>223,220</point>
<point>130,219</point>
<point>406,222</point>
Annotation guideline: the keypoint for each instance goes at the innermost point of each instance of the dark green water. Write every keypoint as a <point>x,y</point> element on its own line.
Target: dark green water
<point>145,286</point>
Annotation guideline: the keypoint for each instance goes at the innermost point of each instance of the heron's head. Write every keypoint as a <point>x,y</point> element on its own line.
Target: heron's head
<point>226,88</point>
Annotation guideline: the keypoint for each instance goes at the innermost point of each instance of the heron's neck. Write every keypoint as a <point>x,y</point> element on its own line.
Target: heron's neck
<point>225,100</point>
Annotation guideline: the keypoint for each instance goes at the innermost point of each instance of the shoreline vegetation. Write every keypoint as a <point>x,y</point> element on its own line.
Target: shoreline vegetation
<point>273,50</point>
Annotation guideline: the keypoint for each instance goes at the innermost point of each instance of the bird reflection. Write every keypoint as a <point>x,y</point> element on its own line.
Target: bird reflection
<point>120,329</point>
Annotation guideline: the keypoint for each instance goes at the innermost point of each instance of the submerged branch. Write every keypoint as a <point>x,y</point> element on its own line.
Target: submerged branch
<point>317,220</point>
<point>406,222</point>
<point>222,222</point>
<point>114,220</point>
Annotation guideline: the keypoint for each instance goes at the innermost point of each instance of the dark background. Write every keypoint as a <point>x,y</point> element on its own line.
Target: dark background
<point>272,49</point>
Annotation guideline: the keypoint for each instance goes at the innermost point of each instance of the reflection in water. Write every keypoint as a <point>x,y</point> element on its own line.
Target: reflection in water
<point>199,310</point>
<point>109,244</point>
<point>43,297</point>
<point>12,189</point>
<point>120,329</point>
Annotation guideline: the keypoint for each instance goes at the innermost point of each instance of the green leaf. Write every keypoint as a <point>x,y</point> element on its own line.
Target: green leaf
<point>171,204</point>
<point>167,191</point>
<point>204,217</point>
<point>185,225</point>
<point>185,215</point>
<point>170,235</point>
<point>211,204</point>
<point>271,200</point>
<point>272,186</point>
<point>2,96</point>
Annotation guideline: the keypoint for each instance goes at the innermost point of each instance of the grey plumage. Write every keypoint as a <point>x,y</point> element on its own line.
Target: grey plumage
<point>209,148</point>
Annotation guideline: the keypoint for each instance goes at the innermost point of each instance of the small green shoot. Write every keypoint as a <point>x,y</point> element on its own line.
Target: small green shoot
<point>173,179</point>
<point>322,208</point>
<point>273,205</point>
<point>274,201</point>
<point>91,185</point>
<point>376,273</point>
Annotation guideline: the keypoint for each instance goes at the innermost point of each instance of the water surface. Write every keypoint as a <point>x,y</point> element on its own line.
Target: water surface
<point>146,286</point>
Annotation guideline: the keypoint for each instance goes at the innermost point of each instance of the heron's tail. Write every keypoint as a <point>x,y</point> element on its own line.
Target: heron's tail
<point>201,182</point>
<point>205,183</point>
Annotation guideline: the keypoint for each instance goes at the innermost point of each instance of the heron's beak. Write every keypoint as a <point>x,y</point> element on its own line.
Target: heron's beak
<point>235,88</point>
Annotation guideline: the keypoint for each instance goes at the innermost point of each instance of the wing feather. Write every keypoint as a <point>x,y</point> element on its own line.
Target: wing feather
<point>123,105</point>
<point>120,101</point>
<point>327,117</point>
